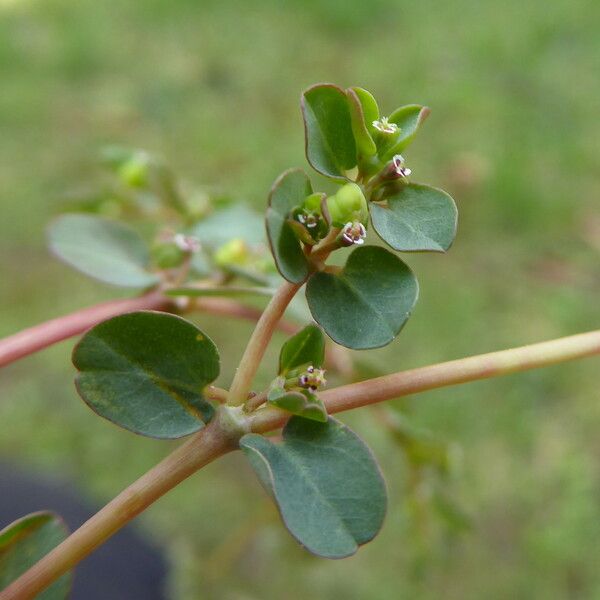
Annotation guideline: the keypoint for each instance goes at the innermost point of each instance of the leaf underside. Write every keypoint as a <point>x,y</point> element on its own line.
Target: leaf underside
<point>288,191</point>
<point>301,402</point>
<point>103,249</point>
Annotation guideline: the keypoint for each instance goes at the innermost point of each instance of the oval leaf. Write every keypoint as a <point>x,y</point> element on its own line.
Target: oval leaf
<point>306,347</point>
<point>326,483</point>
<point>367,303</point>
<point>408,118</point>
<point>26,541</point>
<point>145,371</point>
<point>418,218</point>
<point>330,147</point>
<point>289,190</point>
<point>103,249</point>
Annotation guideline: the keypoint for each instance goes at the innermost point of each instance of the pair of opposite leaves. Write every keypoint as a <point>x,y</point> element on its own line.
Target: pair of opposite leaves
<point>367,303</point>
<point>145,371</point>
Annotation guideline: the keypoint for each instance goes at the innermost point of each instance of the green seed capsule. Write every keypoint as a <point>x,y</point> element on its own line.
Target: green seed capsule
<point>312,203</point>
<point>347,205</point>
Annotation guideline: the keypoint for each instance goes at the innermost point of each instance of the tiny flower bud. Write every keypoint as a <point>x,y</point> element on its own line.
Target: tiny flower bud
<point>134,172</point>
<point>385,126</point>
<point>353,233</point>
<point>348,204</point>
<point>234,252</point>
<point>392,171</point>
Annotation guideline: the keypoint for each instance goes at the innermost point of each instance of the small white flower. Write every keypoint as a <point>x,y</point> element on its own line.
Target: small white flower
<point>385,126</point>
<point>354,233</point>
<point>312,379</point>
<point>308,219</point>
<point>399,167</point>
<point>187,243</point>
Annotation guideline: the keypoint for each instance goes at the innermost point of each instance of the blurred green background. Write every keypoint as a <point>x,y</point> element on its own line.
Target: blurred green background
<point>213,86</point>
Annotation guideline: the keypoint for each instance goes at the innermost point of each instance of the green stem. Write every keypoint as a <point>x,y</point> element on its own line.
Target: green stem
<point>328,244</point>
<point>255,350</point>
<point>472,368</point>
<point>219,437</point>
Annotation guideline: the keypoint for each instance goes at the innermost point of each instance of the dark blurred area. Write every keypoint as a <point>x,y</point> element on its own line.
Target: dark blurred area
<point>125,568</point>
<point>213,87</point>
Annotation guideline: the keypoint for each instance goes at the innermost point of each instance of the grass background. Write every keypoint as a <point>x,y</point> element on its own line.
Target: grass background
<point>214,87</point>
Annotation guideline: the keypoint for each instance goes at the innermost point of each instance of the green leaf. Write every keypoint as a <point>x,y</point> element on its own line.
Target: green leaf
<point>330,146</point>
<point>367,303</point>
<point>363,111</point>
<point>289,190</point>
<point>326,483</point>
<point>103,249</point>
<point>302,403</point>
<point>145,371</point>
<point>408,118</point>
<point>306,347</point>
<point>237,221</point>
<point>417,218</point>
<point>26,541</point>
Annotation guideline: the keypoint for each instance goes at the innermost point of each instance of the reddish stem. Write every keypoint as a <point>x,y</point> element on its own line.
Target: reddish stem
<point>41,336</point>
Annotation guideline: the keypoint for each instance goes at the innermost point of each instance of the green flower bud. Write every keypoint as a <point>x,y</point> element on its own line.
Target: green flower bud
<point>348,205</point>
<point>134,172</point>
<point>167,255</point>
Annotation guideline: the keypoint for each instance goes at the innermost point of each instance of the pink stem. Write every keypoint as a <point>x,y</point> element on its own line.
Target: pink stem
<point>45,334</point>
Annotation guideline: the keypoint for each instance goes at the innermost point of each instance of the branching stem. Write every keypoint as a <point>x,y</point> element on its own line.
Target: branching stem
<point>215,440</point>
